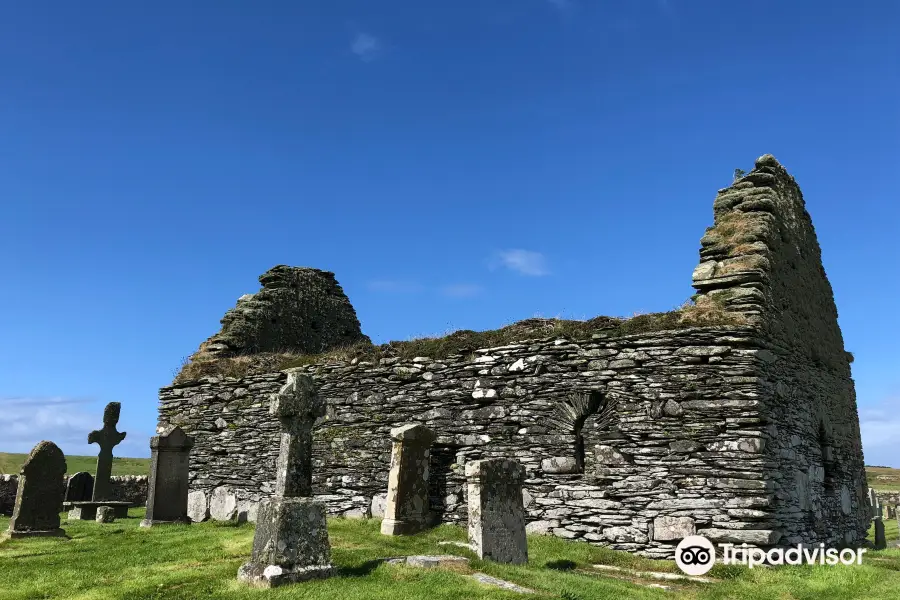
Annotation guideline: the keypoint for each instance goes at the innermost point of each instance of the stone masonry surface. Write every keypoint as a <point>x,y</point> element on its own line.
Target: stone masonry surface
<point>298,309</point>
<point>742,433</point>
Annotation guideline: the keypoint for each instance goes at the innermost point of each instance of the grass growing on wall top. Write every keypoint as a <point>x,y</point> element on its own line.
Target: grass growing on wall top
<point>710,312</point>
<point>11,464</point>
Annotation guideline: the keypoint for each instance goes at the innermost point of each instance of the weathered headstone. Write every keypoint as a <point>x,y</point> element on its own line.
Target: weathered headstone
<point>167,486</point>
<point>496,510</point>
<point>41,487</point>
<point>877,520</point>
<point>105,514</point>
<point>406,509</point>
<point>107,438</point>
<point>291,540</point>
<point>80,487</point>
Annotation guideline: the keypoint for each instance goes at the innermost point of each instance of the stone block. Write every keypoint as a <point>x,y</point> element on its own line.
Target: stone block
<point>223,504</point>
<point>290,543</point>
<point>198,506</point>
<point>673,528</point>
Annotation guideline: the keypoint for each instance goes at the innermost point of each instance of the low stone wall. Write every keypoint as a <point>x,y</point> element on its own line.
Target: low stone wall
<point>888,498</point>
<point>130,488</point>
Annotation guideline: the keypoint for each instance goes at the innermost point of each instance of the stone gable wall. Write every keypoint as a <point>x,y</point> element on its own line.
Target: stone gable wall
<point>762,258</point>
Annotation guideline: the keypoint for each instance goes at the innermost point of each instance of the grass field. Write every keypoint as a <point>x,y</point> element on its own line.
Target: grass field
<point>119,561</point>
<point>883,478</point>
<point>12,463</point>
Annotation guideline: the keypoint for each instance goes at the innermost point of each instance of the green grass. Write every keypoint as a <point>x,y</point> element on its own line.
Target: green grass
<point>121,561</point>
<point>883,478</point>
<point>12,463</point>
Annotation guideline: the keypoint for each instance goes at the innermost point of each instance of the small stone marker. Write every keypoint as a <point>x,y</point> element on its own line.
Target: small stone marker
<point>167,486</point>
<point>107,438</point>
<point>80,487</point>
<point>406,509</point>
<point>41,487</point>
<point>291,540</point>
<point>496,510</point>
<point>105,514</point>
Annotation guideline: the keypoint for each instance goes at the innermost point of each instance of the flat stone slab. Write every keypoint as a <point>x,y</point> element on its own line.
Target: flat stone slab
<point>429,562</point>
<point>500,583</point>
<point>274,576</point>
<point>34,533</point>
<point>654,574</point>
<point>87,511</point>
<point>154,522</point>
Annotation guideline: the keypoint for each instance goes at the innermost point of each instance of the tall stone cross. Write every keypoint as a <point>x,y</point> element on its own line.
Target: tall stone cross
<point>107,438</point>
<point>297,405</point>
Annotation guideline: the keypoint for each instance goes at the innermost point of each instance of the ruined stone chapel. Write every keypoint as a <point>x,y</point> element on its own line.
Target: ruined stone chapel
<point>732,417</point>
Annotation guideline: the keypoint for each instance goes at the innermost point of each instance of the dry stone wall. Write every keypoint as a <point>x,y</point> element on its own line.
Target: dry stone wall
<point>130,488</point>
<point>668,427</point>
<point>762,258</point>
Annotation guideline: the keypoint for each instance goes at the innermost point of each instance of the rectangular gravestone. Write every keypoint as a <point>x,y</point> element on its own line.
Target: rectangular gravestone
<point>41,487</point>
<point>291,540</point>
<point>79,487</point>
<point>167,486</point>
<point>496,510</point>
<point>406,508</point>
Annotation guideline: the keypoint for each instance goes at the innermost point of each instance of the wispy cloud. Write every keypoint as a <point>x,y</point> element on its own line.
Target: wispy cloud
<point>526,262</point>
<point>392,286</point>
<point>366,46</point>
<point>64,421</point>
<point>461,290</point>
<point>878,427</point>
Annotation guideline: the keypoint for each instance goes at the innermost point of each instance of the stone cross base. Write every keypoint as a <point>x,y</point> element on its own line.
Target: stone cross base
<point>152,522</point>
<point>290,544</point>
<point>403,526</point>
<point>87,511</point>
<point>273,576</point>
<point>35,533</point>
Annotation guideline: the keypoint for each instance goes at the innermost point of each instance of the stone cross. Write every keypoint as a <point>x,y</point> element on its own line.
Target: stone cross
<point>297,405</point>
<point>496,510</point>
<point>291,539</point>
<point>39,495</point>
<point>167,486</point>
<point>406,509</point>
<point>107,438</point>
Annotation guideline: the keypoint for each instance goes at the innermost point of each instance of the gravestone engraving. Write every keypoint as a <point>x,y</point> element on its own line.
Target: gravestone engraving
<point>167,486</point>
<point>107,438</point>
<point>41,487</point>
<point>406,508</point>
<point>80,487</point>
<point>496,510</point>
<point>291,540</point>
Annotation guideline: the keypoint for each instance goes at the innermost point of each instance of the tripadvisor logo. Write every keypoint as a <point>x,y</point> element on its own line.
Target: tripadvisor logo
<point>696,555</point>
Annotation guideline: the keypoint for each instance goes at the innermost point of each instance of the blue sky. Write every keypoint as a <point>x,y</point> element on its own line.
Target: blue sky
<point>457,165</point>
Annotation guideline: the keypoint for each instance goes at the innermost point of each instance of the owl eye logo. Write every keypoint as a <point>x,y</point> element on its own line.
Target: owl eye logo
<point>695,555</point>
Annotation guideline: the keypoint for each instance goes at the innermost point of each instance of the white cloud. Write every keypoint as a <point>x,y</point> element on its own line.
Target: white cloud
<point>64,421</point>
<point>525,262</point>
<point>461,290</point>
<point>390,286</point>
<point>880,431</point>
<point>367,47</point>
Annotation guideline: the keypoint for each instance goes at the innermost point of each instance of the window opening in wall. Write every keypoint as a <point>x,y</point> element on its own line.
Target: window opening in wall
<point>827,457</point>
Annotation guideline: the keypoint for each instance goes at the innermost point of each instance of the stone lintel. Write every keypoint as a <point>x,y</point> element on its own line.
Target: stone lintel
<point>414,434</point>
